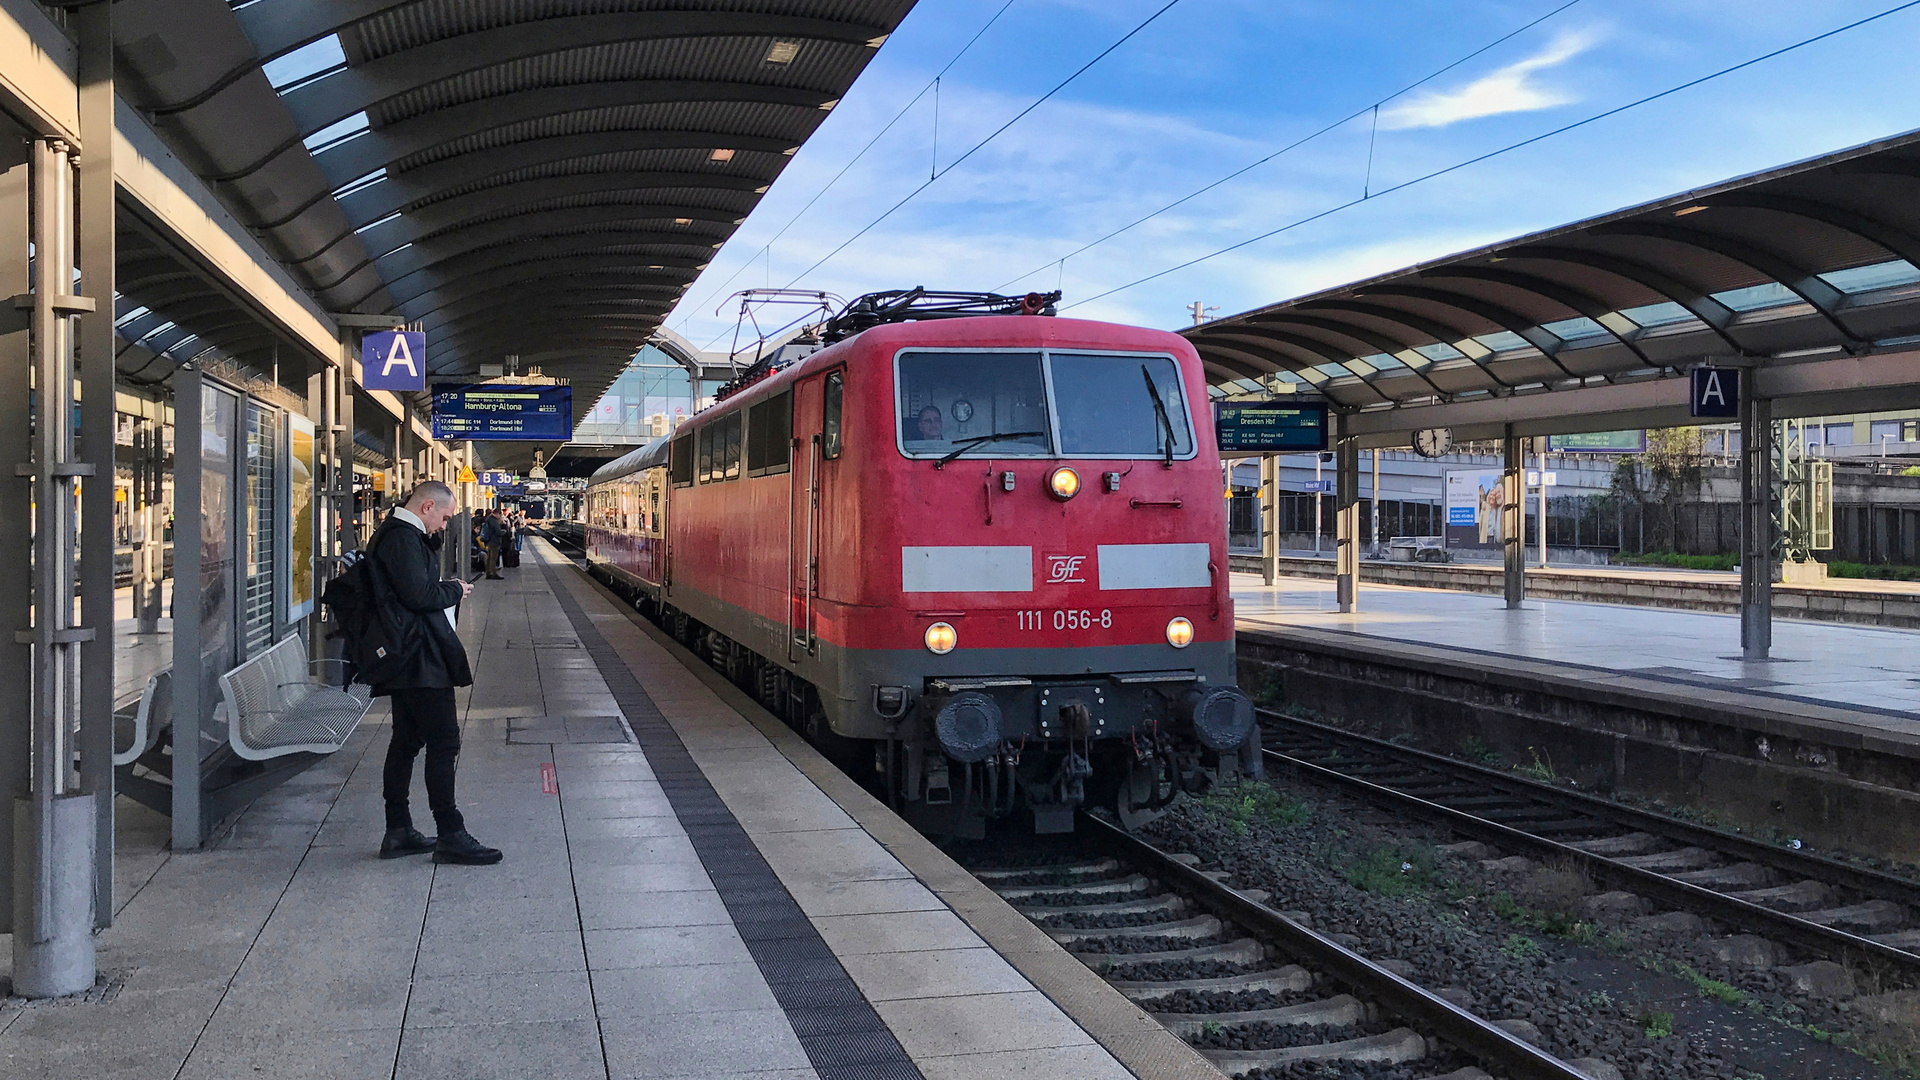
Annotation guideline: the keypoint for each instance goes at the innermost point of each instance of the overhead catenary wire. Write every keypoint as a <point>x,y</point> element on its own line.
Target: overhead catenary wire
<point>878,135</point>
<point>1509,148</point>
<point>976,147</point>
<point>1374,108</point>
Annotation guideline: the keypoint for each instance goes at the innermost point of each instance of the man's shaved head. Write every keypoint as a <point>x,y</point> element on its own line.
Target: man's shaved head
<point>430,490</point>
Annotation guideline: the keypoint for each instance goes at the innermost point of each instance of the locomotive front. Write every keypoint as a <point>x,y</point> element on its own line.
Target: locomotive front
<point>1053,493</point>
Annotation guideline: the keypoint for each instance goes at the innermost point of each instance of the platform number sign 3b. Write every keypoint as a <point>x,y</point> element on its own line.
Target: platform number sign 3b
<point>393,360</point>
<point>1715,392</point>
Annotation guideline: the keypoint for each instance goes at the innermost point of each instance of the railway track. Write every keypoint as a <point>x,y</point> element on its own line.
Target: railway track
<point>1250,987</point>
<point>1814,905</point>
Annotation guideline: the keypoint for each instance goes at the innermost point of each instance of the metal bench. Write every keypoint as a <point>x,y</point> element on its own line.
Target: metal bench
<point>150,718</point>
<point>275,707</point>
<point>1419,549</point>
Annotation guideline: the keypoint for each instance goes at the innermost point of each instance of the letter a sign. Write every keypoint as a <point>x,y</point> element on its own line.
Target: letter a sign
<point>393,360</point>
<point>1716,392</point>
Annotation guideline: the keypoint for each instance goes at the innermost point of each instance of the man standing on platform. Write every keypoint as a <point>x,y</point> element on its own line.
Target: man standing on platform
<point>405,566</point>
<point>491,538</point>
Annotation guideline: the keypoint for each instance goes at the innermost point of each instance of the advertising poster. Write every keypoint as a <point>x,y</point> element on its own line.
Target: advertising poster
<point>300,499</point>
<point>1474,502</point>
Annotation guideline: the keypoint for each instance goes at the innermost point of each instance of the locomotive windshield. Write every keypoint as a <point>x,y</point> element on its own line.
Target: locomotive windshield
<point>1120,406</point>
<point>996,404</point>
<point>952,400</point>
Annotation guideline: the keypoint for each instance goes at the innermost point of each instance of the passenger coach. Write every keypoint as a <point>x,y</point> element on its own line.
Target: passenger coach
<point>986,555</point>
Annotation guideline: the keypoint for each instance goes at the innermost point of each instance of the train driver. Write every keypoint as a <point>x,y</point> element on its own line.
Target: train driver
<point>929,426</point>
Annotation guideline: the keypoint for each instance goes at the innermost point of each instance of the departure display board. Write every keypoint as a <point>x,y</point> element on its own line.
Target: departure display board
<point>502,411</point>
<point>1266,427</point>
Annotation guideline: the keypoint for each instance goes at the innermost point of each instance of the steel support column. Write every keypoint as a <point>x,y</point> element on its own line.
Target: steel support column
<point>16,514</point>
<point>1513,518</point>
<point>189,706</point>
<point>1757,540</point>
<point>1269,518</point>
<point>1346,523</point>
<point>97,223</point>
<point>53,826</point>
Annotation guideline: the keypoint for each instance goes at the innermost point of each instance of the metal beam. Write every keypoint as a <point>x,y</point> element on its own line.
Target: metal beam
<point>97,225</point>
<point>1346,522</point>
<point>1758,555</point>
<point>1803,283</point>
<point>16,512</point>
<point>1442,333</point>
<point>1513,519</point>
<point>1714,314</point>
<point>1575,300</point>
<point>1504,317</point>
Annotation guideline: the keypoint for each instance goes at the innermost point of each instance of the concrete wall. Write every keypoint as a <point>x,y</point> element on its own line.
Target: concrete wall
<point>1814,776</point>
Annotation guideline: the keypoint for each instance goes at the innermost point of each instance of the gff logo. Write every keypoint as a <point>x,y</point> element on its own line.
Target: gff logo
<point>1064,569</point>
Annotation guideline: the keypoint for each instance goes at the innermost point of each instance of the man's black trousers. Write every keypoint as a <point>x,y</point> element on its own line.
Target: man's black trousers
<point>424,718</point>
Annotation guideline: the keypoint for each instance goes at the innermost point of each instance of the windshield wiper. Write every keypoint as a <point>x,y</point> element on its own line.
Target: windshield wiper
<point>965,445</point>
<point>1160,410</point>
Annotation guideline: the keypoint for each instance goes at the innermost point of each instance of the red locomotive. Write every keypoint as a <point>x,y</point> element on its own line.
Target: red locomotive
<point>984,552</point>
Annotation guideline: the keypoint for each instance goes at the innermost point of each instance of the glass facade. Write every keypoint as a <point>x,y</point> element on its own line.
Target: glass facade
<point>649,399</point>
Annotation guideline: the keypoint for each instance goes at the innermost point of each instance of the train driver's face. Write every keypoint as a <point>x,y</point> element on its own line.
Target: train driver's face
<point>930,424</point>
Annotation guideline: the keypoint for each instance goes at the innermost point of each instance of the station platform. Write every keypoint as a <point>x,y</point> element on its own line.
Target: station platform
<point>1822,741</point>
<point>689,890</point>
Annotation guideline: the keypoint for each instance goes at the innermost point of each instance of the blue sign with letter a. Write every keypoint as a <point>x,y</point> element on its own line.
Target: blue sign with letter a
<point>1715,392</point>
<point>393,360</point>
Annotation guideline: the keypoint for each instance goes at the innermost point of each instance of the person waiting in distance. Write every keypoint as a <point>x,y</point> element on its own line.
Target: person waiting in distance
<point>929,426</point>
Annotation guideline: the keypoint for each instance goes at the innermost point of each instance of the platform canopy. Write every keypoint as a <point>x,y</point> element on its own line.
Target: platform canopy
<point>526,177</point>
<point>1808,274</point>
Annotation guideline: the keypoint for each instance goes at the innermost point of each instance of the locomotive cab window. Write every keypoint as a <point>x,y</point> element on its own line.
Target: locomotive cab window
<point>1120,406</point>
<point>830,408</point>
<point>995,401</point>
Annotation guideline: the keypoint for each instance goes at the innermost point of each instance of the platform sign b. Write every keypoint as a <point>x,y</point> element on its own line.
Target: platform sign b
<point>393,360</point>
<point>1715,392</point>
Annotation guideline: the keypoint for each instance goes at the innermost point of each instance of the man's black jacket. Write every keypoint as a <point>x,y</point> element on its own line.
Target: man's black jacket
<point>411,574</point>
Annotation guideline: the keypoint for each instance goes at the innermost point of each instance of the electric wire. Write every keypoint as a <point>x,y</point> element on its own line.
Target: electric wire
<point>908,107</point>
<point>1477,159</point>
<point>955,163</point>
<point>1296,144</point>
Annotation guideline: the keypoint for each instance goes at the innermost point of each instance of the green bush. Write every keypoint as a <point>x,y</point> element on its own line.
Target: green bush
<point>1393,871</point>
<point>1677,560</point>
<point>1839,568</point>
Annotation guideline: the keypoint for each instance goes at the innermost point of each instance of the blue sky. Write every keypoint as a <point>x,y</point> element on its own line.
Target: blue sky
<point>1216,84</point>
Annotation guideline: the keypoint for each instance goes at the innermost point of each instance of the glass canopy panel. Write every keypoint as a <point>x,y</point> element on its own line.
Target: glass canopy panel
<point>1877,276</point>
<point>1575,329</point>
<point>1502,341</point>
<point>1757,297</point>
<point>1661,314</point>
<point>1439,350</point>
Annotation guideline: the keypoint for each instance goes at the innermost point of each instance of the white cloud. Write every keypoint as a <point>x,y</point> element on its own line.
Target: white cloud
<point>1509,89</point>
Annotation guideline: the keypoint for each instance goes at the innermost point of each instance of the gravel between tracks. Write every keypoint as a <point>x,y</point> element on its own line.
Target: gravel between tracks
<point>1461,927</point>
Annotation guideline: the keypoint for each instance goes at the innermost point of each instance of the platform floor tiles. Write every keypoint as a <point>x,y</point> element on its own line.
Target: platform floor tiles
<point>1820,663</point>
<point>600,947</point>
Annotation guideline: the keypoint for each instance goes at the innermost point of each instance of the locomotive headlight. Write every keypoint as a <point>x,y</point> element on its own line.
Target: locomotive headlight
<point>1064,483</point>
<point>941,638</point>
<point>1179,633</point>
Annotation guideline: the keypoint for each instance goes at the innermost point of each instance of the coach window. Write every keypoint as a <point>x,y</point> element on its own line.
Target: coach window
<point>770,435</point>
<point>706,454</point>
<point>680,461</point>
<point>830,416</point>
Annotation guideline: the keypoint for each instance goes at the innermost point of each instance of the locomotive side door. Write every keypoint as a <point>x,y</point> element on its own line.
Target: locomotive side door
<point>817,406</point>
<point>802,480</point>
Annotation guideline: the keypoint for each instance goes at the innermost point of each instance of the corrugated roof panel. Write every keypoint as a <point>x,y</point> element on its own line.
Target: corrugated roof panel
<point>433,20</point>
<point>751,168</point>
<point>822,67</point>
<point>756,119</point>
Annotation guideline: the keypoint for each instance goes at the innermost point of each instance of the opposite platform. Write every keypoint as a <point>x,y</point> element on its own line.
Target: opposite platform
<point>681,897</point>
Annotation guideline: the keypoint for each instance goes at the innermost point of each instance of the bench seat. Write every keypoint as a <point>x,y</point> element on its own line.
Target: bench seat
<point>275,707</point>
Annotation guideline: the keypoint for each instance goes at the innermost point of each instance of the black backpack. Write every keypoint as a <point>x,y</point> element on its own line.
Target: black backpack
<point>378,644</point>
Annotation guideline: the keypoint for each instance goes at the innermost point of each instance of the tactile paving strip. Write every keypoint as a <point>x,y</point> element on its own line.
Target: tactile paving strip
<point>844,1037</point>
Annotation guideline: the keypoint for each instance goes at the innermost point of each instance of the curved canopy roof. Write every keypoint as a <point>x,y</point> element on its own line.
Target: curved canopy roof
<point>536,177</point>
<point>1813,259</point>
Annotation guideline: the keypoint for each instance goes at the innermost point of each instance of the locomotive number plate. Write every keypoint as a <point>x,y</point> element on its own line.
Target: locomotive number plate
<point>1066,619</point>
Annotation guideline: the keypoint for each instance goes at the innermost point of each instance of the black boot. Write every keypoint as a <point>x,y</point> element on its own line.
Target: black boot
<point>400,843</point>
<point>461,847</point>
